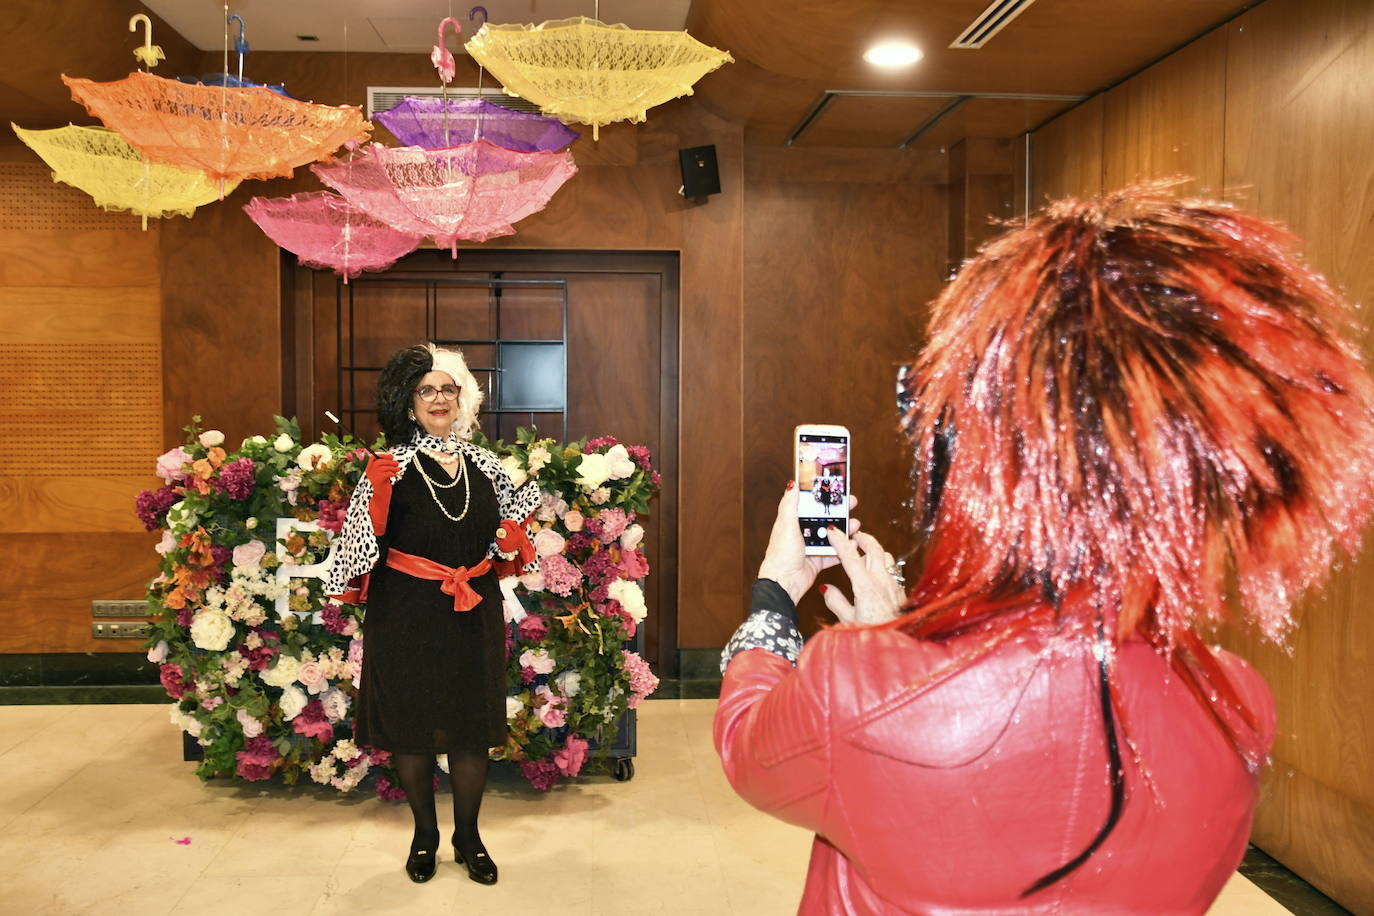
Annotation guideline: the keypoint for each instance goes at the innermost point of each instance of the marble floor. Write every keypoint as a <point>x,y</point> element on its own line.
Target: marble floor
<point>97,808</point>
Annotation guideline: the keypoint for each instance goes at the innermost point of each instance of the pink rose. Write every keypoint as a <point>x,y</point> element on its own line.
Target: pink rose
<point>548,542</point>
<point>249,554</point>
<point>173,681</point>
<point>631,538</point>
<point>167,544</point>
<point>570,758</point>
<point>312,676</point>
<point>534,628</point>
<point>537,659</point>
<point>251,726</point>
<point>553,713</point>
<point>573,520</point>
<point>171,465</point>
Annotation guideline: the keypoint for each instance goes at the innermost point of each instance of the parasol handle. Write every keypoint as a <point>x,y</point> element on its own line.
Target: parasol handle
<point>150,53</point>
<point>441,57</point>
<point>240,43</point>
<point>472,15</point>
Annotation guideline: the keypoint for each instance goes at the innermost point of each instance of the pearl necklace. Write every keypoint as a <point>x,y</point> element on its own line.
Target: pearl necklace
<point>462,475</point>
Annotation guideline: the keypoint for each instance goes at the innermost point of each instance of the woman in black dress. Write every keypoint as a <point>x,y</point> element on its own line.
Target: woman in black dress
<point>430,527</point>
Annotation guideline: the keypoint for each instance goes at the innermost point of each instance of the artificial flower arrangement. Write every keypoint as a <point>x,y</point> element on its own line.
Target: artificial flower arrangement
<point>264,668</point>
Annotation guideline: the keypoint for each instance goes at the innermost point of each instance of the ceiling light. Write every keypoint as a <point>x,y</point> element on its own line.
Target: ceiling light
<point>893,54</point>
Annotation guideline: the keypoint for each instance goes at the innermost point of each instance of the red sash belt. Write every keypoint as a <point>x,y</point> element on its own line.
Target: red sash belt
<point>454,581</point>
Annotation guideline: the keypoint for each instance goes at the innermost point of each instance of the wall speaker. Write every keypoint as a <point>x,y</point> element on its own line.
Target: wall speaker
<point>700,176</point>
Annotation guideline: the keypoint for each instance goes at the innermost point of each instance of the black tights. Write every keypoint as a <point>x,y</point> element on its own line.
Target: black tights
<point>468,776</point>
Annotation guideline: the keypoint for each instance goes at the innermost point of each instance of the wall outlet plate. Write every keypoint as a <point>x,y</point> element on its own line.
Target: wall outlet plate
<point>111,608</point>
<point>119,629</point>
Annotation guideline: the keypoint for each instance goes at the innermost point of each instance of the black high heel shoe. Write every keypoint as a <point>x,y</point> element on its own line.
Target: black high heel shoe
<point>420,864</point>
<point>480,866</point>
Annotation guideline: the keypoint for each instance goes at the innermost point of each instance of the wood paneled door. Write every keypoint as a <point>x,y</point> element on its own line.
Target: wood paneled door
<point>615,314</point>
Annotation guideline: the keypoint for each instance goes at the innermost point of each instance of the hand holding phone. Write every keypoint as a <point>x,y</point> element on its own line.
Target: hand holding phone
<point>821,460</point>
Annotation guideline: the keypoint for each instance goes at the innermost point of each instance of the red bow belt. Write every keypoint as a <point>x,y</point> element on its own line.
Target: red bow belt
<point>453,581</point>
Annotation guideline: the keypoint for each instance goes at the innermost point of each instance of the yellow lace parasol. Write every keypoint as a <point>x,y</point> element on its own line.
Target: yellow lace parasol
<point>101,163</point>
<point>584,70</point>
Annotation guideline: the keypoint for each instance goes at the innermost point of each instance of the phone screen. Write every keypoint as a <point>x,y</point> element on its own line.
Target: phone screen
<point>823,481</point>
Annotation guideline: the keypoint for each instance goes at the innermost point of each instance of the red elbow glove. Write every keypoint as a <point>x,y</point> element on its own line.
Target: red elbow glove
<point>380,470</point>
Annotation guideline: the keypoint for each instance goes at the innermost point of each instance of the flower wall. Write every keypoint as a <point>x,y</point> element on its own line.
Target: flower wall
<point>264,669</point>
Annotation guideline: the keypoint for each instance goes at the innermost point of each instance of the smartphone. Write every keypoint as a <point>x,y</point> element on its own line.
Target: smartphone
<point>821,459</point>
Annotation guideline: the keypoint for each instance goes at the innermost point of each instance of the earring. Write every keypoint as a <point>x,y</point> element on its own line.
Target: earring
<point>411,413</point>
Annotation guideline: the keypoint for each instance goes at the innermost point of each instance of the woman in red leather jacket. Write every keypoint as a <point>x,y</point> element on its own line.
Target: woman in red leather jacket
<point>1118,407</point>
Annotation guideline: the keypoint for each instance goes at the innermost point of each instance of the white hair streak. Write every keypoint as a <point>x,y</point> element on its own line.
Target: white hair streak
<point>469,397</point>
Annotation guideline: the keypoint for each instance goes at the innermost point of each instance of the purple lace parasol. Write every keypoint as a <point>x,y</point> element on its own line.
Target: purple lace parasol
<point>433,124</point>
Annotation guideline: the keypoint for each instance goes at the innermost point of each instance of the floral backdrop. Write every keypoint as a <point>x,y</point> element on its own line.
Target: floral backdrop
<point>263,668</point>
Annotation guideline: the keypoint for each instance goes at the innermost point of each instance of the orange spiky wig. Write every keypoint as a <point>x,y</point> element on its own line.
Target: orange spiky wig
<point>1123,404</point>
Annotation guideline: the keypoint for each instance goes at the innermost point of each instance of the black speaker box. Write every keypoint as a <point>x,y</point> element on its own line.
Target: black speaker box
<point>700,176</point>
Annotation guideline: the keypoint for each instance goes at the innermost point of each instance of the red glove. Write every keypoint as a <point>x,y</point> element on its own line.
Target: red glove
<point>380,470</point>
<point>511,538</point>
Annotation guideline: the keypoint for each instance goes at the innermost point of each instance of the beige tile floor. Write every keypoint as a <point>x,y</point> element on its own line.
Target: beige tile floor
<point>92,799</point>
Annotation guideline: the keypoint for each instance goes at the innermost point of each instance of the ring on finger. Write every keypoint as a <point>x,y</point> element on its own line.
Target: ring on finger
<point>895,570</point>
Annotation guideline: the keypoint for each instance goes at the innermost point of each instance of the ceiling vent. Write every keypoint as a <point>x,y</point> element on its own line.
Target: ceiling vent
<point>384,98</point>
<point>991,21</point>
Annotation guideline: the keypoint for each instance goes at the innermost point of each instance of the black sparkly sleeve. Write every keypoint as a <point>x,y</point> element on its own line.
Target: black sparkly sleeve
<point>771,625</point>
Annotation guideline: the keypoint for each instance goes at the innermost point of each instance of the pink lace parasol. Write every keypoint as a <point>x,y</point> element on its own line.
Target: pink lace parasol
<point>474,191</point>
<point>323,230</point>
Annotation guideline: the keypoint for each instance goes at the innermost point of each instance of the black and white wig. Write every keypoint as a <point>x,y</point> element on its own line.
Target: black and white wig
<point>398,381</point>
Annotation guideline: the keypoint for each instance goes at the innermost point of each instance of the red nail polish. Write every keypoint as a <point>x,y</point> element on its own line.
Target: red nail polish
<point>823,588</point>
<point>791,484</point>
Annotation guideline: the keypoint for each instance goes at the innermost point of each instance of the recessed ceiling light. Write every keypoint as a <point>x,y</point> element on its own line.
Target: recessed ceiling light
<point>307,38</point>
<point>893,54</point>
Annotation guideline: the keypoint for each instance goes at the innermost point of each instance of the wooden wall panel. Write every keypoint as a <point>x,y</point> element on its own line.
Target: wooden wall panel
<point>1299,128</point>
<point>837,276</point>
<point>1169,121</point>
<point>80,324</point>
<point>1290,139</point>
<point>1066,155</point>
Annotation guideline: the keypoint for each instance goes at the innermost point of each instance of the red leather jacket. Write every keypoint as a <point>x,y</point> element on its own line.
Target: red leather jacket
<point>939,786</point>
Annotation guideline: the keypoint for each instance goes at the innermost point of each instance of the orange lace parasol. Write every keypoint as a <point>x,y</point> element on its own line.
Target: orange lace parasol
<point>116,176</point>
<point>228,133</point>
<point>584,70</point>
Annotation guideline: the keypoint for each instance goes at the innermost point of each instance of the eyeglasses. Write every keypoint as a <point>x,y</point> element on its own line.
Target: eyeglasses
<point>428,393</point>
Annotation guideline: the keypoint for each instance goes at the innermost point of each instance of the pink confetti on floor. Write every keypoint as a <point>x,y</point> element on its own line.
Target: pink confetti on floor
<point>184,841</point>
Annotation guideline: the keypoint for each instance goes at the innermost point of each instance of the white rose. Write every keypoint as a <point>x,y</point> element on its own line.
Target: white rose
<point>511,465</point>
<point>620,462</point>
<point>184,721</point>
<point>537,659</point>
<point>569,683</point>
<point>513,707</point>
<point>257,440</point>
<point>158,653</point>
<point>631,598</point>
<point>211,438</point>
<point>283,443</point>
<point>593,471</point>
<point>283,673</point>
<point>312,456</point>
<point>539,456</point>
<point>212,630</point>
<point>335,703</point>
<point>179,518</point>
<point>293,700</point>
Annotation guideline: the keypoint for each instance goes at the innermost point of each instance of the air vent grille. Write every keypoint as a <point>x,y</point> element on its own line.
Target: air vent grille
<point>384,98</point>
<point>991,21</point>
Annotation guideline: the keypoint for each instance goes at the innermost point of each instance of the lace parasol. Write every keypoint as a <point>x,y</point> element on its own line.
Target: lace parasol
<point>584,70</point>
<point>435,123</point>
<point>323,230</point>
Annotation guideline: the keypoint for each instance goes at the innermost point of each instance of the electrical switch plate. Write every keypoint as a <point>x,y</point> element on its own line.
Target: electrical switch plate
<point>111,608</point>
<point>119,629</point>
